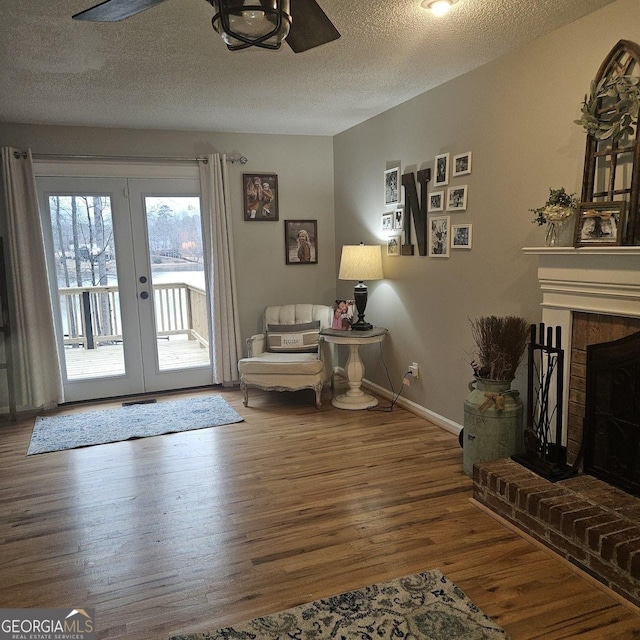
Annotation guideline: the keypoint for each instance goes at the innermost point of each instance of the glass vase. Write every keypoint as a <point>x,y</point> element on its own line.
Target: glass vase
<point>551,238</point>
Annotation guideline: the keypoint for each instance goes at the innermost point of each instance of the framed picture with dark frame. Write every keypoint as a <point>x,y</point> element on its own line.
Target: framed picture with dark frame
<point>260,196</point>
<point>301,241</point>
<point>392,186</point>
<point>600,223</point>
<point>439,236</point>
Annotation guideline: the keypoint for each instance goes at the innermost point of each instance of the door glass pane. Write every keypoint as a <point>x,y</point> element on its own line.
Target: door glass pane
<point>87,281</point>
<point>177,277</point>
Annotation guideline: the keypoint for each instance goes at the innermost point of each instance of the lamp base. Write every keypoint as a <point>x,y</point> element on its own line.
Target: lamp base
<point>360,325</point>
<point>360,296</point>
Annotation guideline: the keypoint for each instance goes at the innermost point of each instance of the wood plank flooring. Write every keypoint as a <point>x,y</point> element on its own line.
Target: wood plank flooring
<point>196,530</point>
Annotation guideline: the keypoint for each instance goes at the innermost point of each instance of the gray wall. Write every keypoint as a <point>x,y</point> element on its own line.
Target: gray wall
<point>304,165</point>
<point>516,116</point>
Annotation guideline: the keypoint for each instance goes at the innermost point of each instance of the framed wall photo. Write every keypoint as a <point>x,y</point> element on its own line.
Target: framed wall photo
<point>461,164</point>
<point>439,236</point>
<point>393,245</point>
<point>301,241</point>
<point>435,201</point>
<point>461,236</point>
<point>392,186</point>
<point>600,223</point>
<point>398,219</point>
<point>387,221</point>
<point>260,196</point>
<point>457,198</point>
<point>441,170</point>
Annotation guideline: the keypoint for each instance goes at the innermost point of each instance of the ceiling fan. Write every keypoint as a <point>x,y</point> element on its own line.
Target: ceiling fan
<point>243,23</point>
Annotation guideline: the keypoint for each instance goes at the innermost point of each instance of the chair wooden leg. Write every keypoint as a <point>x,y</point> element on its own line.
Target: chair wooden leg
<point>318,390</point>
<point>245,388</point>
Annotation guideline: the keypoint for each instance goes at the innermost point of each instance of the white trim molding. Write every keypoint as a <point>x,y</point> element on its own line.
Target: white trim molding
<point>409,405</point>
<point>597,280</point>
<point>415,408</point>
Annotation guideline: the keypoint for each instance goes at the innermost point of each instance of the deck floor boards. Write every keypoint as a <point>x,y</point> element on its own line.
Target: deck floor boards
<point>173,353</point>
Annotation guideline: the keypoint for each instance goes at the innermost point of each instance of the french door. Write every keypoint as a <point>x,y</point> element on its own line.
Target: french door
<point>126,264</point>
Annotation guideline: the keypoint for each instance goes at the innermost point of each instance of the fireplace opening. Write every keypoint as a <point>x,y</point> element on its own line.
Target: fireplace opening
<point>612,413</point>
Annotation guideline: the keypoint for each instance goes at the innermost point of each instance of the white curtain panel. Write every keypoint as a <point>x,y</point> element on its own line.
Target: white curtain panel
<point>221,278</point>
<point>38,379</point>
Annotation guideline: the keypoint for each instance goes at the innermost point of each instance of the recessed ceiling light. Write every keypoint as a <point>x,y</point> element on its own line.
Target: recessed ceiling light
<point>438,7</point>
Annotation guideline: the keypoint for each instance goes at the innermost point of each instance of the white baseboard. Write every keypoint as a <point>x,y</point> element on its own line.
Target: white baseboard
<point>409,405</point>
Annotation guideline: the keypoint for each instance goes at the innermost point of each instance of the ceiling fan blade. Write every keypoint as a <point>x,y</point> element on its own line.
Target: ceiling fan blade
<point>114,10</point>
<point>310,26</point>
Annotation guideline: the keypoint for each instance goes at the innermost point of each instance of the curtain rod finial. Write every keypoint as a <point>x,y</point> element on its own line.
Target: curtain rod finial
<point>236,156</point>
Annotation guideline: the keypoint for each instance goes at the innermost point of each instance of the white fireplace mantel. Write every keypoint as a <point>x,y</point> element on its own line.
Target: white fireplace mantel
<point>594,279</point>
<point>602,280</point>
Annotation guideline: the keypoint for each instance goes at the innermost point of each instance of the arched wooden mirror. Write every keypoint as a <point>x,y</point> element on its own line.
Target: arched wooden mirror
<point>612,158</point>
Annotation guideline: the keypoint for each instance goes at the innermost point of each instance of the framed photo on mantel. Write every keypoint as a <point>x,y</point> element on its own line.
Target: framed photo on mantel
<point>600,223</point>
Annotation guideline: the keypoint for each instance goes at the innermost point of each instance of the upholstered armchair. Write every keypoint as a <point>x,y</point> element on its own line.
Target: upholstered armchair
<point>290,354</point>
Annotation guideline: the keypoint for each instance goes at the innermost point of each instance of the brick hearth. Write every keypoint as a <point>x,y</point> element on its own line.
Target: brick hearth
<point>590,523</point>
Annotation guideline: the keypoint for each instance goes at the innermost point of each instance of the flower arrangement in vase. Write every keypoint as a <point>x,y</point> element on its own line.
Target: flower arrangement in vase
<point>558,208</point>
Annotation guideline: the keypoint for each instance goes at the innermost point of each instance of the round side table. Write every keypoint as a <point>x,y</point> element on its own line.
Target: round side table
<point>355,398</point>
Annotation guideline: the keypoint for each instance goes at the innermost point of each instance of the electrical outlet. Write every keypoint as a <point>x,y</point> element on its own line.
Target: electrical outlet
<point>414,370</point>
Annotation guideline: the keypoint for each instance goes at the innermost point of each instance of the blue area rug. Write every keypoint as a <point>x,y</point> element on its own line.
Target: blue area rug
<point>88,428</point>
<point>423,606</point>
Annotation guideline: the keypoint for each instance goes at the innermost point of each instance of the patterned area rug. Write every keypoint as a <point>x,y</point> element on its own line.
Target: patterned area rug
<point>422,606</point>
<point>123,423</point>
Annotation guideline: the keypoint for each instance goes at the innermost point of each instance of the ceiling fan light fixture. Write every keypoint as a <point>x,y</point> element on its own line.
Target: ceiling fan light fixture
<point>252,23</point>
<point>438,7</point>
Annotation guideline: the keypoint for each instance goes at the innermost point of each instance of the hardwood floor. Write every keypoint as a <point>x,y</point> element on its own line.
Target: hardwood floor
<point>196,530</point>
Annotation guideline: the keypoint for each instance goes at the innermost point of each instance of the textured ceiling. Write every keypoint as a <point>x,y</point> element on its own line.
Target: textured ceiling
<point>167,69</point>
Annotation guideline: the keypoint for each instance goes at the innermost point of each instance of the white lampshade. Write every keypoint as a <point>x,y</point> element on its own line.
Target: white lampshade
<point>361,262</point>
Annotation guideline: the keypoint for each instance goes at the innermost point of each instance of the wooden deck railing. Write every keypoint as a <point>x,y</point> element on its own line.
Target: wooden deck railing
<point>91,315</point>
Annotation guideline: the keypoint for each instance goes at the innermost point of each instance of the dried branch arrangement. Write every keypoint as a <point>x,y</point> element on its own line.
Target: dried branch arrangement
<point>500,345</point>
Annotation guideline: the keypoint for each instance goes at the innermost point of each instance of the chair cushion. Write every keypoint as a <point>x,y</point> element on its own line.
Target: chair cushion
<point>297,313</point>
<point>282,364</point>
<point>288,338</point>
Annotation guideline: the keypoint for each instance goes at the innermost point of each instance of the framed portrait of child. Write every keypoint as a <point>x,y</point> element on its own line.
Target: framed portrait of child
<point>343,315</point>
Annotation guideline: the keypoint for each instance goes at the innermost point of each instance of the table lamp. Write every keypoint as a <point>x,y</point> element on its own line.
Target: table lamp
<point>361,262</point>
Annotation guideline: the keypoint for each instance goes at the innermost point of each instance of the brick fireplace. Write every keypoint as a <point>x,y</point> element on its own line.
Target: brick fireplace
<point>594,295</point>
<point>588,329</point>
